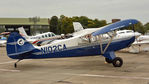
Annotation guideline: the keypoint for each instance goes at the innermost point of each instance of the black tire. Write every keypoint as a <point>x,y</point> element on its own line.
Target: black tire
<point>117,62</point>
<point>108,60</point>
<point>15,65</point>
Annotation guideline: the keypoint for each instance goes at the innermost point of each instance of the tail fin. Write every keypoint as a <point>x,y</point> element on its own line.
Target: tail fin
<point>22,32</point>
<point>77,26</point>
<point>17,46</point>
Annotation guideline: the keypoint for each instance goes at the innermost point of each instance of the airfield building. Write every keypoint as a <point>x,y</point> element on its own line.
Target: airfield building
<point>30,24</point>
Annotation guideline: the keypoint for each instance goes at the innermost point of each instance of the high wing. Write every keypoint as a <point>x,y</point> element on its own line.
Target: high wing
<point>114,26</point>
<point>105,29</point>
<point>97,31</point>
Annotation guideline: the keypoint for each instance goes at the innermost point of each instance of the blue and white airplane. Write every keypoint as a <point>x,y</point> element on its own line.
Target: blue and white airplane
<point>19,48</point>
<point>38,38</point>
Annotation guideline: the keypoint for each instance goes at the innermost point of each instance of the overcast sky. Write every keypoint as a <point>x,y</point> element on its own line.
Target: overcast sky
<point>101,9</point>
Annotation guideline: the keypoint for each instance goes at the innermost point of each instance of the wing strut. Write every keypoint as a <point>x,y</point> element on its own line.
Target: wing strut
<point>100,42</point>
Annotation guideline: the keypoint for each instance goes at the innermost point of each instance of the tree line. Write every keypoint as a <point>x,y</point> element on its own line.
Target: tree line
<point>64,24</point>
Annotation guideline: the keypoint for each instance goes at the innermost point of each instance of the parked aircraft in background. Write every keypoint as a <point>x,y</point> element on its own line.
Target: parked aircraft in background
<point>19,48</point>
<point>3,40</point>
<point>123,33</point>
<point>38,39</point>
<point>139,42</point>
<point>143,39</point>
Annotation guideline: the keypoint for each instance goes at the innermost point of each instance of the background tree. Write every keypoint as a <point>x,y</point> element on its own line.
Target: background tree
<point>146,27</point>
<point>54,24</point>
<point>96,23</point>
<point>140,28</point>
<point>2,30</point>
<point>65,24</point>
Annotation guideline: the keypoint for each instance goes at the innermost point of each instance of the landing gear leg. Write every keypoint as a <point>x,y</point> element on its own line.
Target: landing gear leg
<point>108,60</point>
<point>15,64</point>
<point>111,58</point>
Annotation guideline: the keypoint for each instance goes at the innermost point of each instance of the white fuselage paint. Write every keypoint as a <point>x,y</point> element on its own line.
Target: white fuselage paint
<point>78,39</point>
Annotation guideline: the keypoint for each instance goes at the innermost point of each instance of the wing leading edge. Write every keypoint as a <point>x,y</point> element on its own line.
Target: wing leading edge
<point>114,26</point>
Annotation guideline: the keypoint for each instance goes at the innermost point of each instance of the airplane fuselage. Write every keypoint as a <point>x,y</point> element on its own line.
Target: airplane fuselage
<point>69,48</point>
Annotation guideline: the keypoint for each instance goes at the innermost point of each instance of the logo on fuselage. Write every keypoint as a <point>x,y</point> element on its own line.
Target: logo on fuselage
<point>20,42</point>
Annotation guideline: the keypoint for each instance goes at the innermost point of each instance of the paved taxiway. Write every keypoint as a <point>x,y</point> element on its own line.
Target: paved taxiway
<point>80,70</point>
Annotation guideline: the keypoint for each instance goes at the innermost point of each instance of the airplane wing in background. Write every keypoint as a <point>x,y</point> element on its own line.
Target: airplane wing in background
<point>5,33</point>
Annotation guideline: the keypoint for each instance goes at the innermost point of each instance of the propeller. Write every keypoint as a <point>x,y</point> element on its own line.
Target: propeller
<point>136,34</point>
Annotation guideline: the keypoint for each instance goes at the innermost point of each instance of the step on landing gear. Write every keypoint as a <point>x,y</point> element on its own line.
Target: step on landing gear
<point>108,60</point>
<point>15,64</point>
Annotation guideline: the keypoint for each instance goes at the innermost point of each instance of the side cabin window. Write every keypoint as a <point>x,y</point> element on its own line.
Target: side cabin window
<point>49,35</point>
<point>121,32</point>
<point>38,37</point>
<point>129,31</point>
<point>46,35</point>
<point>42,36</point>
<point>53,34</point>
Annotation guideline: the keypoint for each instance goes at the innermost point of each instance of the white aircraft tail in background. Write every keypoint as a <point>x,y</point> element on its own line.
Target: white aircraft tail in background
<point>22,32</point>
<point>77,26</point>
<point>78,29</point>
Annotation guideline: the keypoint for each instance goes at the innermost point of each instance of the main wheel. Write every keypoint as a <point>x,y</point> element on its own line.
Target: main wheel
<point>108,60</point>
<point>117,62</point>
